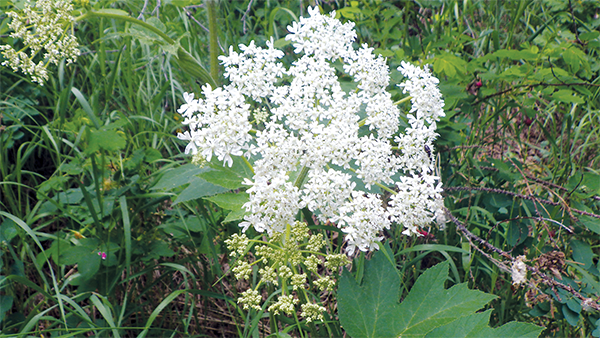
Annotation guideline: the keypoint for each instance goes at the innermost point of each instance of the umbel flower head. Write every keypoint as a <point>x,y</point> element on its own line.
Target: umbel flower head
<point>289,260</point>
<point>43,28</point>
<point>321,147</point>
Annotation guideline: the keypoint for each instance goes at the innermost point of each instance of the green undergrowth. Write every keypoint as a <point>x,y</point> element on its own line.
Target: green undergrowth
<point>107,229</point>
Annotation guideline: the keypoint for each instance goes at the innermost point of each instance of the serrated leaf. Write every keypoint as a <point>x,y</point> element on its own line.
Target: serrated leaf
<point>589,35</point>
<point>427,306</point>
<point>476,326</point>
<point>372,309</point>
<point>235,215</point>
<point>369,310</point>
<point>154,21</point>
<point>516,54</point>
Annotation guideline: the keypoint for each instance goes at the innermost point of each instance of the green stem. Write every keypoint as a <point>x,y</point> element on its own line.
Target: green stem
<point>248,164</point>
<point>403,100</point>
<point>110,15</point>
<point>301,177</point>
<point>211,6</point>
<point>386,188</point>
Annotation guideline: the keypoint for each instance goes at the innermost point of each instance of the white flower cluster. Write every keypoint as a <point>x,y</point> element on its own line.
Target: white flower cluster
<point>309,152</point>
<point>42,27</point>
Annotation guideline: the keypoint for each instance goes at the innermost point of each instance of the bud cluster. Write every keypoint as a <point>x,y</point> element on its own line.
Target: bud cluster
<point>290,260</point>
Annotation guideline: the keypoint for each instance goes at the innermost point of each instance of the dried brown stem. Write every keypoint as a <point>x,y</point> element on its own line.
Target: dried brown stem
<point>545,278</point>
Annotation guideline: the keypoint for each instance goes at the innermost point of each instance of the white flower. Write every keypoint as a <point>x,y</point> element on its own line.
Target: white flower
<point>274,203</point>
<point>326,192</point>
<point>519,271</point>
<point>43,27</point>
<point>416,202</point>
<point>321,36</point>
<point>308,152</point>
<point>426,97</point>
<point>364,218</point>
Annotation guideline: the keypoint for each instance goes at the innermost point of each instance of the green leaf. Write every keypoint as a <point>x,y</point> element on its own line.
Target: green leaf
<point>88,264</point>
<point>567,96</point>
<point>86,107</point>
<point>449,65</point>
<point>85,256</point>
<point>192,67</point>
<point>475,326</point>
<point>372,309</point>
<point>112,11</point>
<point>174,178</point>
<point>230,201</point>
<point>8,230</point>
<point>591,223</point>
<point>526,55</point>
<point>589,35</point>
<point>571,316</point>
<point>517,233</point>
<point>157,250</point>
<point>152,155</point>
<point>235,215</point>
<point>240,168</point>
<point>575,58</point>
<point>582,253</point>
<point>224,178</point>
<point>198,188</point>
<point>6,303</point>
<point>109,140</point>
<point>180,3</point>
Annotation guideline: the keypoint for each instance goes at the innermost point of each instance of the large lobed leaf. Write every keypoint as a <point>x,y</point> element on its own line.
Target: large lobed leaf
<point>429,310</point>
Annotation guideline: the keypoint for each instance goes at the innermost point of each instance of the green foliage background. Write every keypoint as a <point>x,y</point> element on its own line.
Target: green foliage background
<point>90,163</point>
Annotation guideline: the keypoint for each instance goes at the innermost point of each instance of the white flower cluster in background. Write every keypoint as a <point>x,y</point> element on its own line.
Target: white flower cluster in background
<point>519,271</point>
<point>41,28</point>
<point>309,152</point>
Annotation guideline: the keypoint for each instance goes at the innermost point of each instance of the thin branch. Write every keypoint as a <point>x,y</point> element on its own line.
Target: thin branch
<point>545,278</point>
<point>244,30</point>
<point>530,86</point>
<point>513,194</point>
